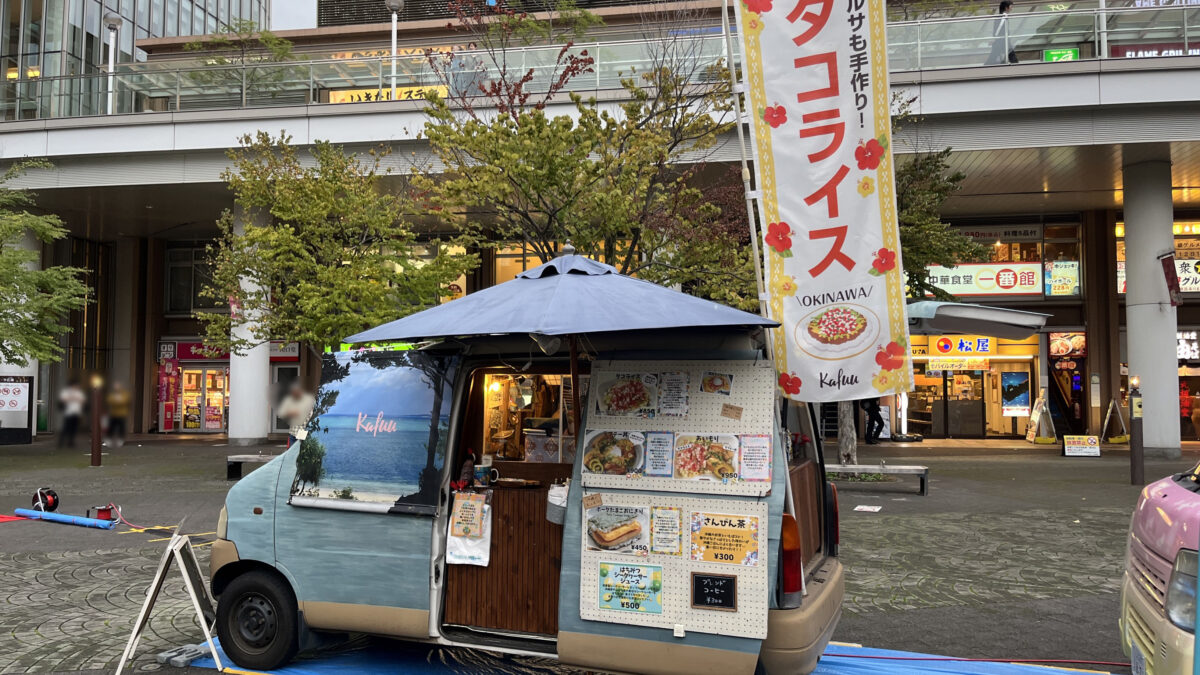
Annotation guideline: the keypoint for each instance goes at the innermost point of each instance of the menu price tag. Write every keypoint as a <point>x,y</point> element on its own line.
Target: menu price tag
<point>725,538</point>
<point>714,591</point>
<point>591,501</point>
<point>733,412</point>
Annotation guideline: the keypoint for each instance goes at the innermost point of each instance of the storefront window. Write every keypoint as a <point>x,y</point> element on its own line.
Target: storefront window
<point>1034,259</point>
<point>971,386</point>
<point>1187,256</point>
<point>187,273</point>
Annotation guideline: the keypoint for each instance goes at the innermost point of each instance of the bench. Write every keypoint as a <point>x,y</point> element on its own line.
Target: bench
<point>900,469</point>
<point>233,464</point>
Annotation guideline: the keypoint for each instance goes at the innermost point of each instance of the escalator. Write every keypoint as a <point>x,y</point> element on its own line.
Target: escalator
<point>1062,390</point>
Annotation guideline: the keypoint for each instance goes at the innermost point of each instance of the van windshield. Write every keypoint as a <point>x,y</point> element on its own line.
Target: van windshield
<point>378,429</point>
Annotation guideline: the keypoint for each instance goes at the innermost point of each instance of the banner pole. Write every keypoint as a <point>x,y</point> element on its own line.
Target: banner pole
<point>763,305</point>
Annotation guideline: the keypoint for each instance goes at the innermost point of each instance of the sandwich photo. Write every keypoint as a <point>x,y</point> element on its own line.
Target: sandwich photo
<point>614,528</point>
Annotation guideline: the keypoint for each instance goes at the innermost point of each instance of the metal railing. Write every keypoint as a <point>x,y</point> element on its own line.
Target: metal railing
<point>148,87</point>
<point>1127,32</point>
<point>912,45</point>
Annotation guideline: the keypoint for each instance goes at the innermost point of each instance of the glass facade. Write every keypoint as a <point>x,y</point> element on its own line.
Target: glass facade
<point>42,39</point>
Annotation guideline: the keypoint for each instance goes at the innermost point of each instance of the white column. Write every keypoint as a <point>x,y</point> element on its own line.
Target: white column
<point>249,382</point>
<point>18,419</point>
<point>1149,316</point>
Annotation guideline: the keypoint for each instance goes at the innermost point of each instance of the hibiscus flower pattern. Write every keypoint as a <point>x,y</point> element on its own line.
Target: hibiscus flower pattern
<point>757,6</point>
<point>884,262</point>
<point>886,381</point>
<point>775,116</point>
<point>790,383</point>
<point>892,355</point>
<point>866,186</point>
<point>779,238</point>
<point>784,285</point>
<point>868,154</point>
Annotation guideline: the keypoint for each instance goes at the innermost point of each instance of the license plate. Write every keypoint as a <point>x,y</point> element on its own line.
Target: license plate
<point>1138,660</point>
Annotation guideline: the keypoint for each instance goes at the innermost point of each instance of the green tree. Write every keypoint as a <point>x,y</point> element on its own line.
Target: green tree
<point>924,181</point>
<point>611,182</point>
<point>328,253</point>
<point>33,302</point>
<point>244,58</point>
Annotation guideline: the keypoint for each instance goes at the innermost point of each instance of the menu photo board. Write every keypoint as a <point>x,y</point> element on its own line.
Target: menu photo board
<point>668,561</point>
<point>680,426</point>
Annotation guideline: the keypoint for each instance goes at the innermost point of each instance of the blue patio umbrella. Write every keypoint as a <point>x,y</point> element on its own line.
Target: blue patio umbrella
<point>568,296</point>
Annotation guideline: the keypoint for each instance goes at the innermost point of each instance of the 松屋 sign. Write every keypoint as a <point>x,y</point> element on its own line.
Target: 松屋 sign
<point>819,101</point>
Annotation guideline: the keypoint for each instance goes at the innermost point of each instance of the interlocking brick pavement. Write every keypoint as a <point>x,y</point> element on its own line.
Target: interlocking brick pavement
<point>74,610</point>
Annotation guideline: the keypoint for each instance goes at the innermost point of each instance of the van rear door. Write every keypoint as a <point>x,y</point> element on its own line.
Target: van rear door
<point>355,516</point>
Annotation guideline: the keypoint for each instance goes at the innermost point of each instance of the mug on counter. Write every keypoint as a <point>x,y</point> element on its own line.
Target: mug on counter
<point>485,474</point>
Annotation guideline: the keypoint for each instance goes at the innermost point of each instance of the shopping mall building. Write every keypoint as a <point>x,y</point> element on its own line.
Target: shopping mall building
<point>1079,164</point>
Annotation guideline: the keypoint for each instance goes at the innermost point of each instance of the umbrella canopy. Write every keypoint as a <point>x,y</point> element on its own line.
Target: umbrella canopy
<point>568,295</point>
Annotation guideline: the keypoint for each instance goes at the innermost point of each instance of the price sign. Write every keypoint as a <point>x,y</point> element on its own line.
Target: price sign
<point>714,591</point>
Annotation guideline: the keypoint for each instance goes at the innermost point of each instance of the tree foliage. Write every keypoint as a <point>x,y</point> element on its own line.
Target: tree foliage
<point>607,178</point>
<point>326,253</point>
<point>924,181</point>
<point>33,302</point>
<point>234,51</point>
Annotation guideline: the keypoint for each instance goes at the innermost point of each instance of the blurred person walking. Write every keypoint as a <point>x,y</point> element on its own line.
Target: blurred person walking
<point>70,401</point>
<point>296,408</point>
<point>117,402</point>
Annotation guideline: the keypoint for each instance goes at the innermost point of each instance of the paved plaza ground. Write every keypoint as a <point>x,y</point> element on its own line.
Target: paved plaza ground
<point>1015,553</point>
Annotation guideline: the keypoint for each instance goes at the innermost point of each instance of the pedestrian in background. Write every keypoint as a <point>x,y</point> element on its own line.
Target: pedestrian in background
<point>1002,50</point>
<point>117,402</point>
<point>70,401</point>
<point>874,420</point>
<point>296,408</point>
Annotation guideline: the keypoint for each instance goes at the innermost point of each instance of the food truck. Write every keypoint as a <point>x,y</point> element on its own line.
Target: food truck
<point>581,465</point>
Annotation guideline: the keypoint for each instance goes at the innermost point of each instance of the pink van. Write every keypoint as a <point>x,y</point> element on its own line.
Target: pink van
<point>1158,594</point>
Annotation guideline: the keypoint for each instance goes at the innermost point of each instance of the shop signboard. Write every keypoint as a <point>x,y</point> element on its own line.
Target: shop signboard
<point>1035,416</point>
<point>818,89</point>
<point>1187,346</point>
<point>1081,446</point>
<point>939,363</point>
<point>1068,344</point>
<point>989,234</point>
<point>1066,54</point>
<point>191,351</point>
<point>373,94</point>
<point>1003,278</point>
<point>1188,272</point>
<point>1062,278</point>
<point>1014,394</point>
<point>284,351</point>
<point>1150,50</point>
<point>166,351</point>
<point>962,345</point>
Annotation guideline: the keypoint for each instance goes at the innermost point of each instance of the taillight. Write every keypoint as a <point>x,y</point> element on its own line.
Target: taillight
<point>791,562</point>
<point>835,526</point>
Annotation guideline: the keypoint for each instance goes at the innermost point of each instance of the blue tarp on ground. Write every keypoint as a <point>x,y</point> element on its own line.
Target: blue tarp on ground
<point>381,656</point>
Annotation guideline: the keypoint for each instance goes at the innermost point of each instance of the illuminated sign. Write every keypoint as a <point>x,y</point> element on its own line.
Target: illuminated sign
<point>963,345</point>
<point>1187,349</point>
<point>385,94</point>
<point>1187,270</point>
<point>1070,54</point>
<point>988,278</point>
<point>956,363</point>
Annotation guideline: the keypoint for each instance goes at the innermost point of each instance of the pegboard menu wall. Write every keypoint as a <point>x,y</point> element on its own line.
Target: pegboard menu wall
<point>743,406</point>
<point>750,618</point>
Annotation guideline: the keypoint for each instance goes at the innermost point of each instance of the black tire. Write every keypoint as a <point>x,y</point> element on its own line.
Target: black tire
<point>256,620</point>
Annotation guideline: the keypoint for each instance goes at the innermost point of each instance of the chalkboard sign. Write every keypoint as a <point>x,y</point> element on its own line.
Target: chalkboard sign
<point>714,591</point>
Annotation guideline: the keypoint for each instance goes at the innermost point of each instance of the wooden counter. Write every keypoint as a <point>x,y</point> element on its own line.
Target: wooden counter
<point>518,590</point>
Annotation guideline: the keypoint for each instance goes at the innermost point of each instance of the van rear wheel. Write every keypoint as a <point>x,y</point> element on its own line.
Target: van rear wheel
<point>256,620</point>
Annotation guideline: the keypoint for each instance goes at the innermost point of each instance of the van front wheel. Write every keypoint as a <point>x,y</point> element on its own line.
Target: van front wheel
<point>256,620</point>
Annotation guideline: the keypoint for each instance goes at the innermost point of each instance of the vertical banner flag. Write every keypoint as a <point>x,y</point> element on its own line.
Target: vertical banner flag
<point>819,108</point>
